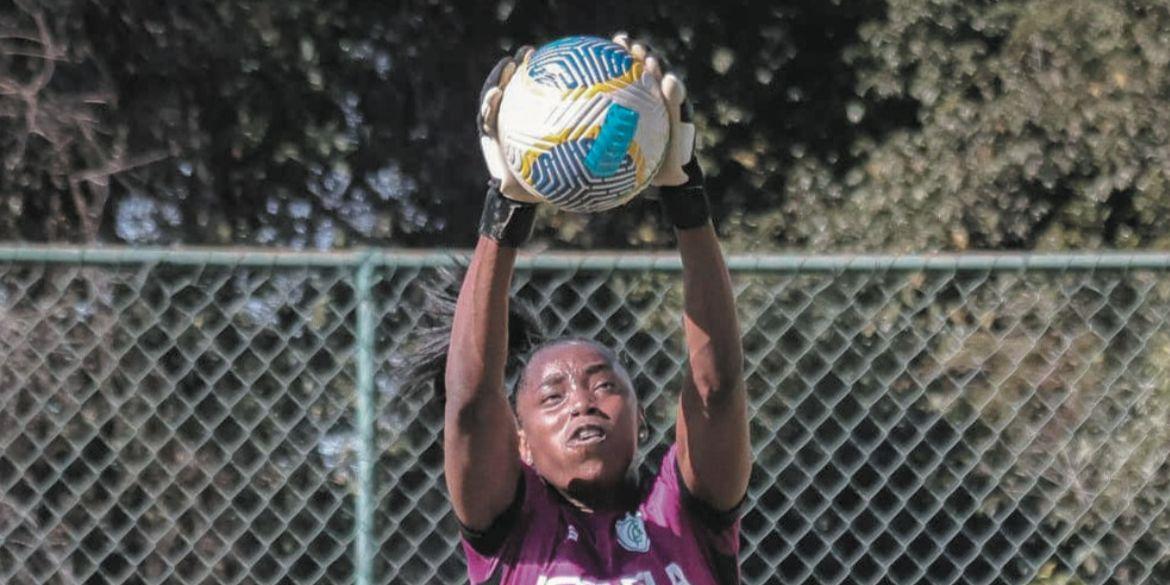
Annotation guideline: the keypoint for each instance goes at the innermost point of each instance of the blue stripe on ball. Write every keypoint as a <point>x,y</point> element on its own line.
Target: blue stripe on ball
<point>580,61</point>
<point>560,174</point>
<point>608,151</point>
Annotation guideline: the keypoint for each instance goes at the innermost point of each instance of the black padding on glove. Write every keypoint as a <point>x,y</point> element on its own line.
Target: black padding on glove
<point>504,220</point>
<point>686,205</point>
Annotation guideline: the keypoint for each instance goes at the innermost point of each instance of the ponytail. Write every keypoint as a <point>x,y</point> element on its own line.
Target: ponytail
<point>423,361</point>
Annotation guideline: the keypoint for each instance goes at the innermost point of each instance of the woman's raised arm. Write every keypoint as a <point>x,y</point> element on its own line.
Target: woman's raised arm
<point>712,428</point>
<point>482,463</point>
<point>482,460</point>
<point>714,450</point>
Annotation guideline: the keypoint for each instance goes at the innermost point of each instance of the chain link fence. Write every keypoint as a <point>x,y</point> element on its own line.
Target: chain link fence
<point>232,416</point>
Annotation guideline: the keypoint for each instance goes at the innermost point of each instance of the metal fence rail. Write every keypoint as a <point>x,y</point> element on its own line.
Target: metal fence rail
<point>230,416</point>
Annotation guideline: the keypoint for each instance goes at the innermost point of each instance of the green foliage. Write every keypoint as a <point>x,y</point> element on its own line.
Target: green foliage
<point>1040,125</point>
<point>904,125</point>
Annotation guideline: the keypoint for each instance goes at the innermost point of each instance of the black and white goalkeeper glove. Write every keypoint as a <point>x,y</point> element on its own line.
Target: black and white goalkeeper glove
<point>680,178</point>
<point>508,210</point>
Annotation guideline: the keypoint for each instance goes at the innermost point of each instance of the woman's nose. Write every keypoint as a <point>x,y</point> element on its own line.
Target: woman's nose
<point>583,400</point>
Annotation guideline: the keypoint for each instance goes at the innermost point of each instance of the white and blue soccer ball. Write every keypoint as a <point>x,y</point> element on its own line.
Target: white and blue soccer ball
<point>583,125</point>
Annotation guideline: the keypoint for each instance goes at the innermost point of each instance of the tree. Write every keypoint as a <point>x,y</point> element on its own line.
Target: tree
<point>60,147</point>
<point>1041,125</point>
<point>900,125</point>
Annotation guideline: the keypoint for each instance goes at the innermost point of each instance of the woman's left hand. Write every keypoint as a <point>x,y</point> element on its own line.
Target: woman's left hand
<point>680,166</point>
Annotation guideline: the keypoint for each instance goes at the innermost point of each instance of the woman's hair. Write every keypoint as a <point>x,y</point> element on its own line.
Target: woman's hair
<point>422,365</point>
<point>423,362</point>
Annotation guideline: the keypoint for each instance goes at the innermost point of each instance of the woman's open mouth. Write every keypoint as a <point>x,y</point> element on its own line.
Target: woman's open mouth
<point>585,435</point>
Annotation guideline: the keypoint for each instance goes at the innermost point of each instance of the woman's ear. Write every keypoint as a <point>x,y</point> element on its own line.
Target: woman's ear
<point>525,450</point>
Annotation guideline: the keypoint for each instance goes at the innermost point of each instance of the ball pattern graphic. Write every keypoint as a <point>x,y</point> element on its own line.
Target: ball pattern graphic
<point>583,125</point>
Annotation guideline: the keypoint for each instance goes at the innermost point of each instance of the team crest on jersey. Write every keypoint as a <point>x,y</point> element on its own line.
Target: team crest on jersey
<point>631,533</point>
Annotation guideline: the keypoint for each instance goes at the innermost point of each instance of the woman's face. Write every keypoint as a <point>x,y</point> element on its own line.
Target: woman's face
<point>578,416</point>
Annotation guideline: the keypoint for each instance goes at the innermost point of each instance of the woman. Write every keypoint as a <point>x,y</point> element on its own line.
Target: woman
<point>543,490</point>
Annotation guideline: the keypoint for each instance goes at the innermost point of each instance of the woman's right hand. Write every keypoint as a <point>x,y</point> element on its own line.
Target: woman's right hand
<point>486,123</point>
<point>509,210</point>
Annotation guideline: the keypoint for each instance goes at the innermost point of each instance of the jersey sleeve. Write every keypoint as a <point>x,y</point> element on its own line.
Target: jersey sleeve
<point>716,530</point>
<point>487,542</point>
<point>513,529</point>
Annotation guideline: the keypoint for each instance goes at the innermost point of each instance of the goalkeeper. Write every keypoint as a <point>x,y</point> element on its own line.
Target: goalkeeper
<point>544,489</point>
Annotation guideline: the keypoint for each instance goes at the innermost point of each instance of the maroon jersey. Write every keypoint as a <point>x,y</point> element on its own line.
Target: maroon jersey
<point>665,537</point>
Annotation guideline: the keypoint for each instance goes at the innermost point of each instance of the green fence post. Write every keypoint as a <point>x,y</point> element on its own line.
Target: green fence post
<point>366,451</point>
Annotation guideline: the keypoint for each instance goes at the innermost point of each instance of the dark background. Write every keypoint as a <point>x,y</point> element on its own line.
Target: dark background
<point>826,126</point>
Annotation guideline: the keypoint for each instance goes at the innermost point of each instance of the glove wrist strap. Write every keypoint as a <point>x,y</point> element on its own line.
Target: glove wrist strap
<point>504,220</point>
<point>686,205</point>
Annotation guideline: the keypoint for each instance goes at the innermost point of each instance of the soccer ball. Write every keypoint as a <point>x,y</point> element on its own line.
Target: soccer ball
<point>583,125</point>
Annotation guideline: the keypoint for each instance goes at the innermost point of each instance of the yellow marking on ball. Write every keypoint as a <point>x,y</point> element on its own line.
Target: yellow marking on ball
<point>635,153</point>
<point>549,142</point>
<point>626,79</point>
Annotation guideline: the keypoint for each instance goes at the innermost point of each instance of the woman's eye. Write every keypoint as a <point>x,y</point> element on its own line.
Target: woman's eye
<point>550,399</point>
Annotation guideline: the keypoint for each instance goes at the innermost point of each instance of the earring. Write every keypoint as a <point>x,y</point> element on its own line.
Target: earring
<point>643,434</point>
